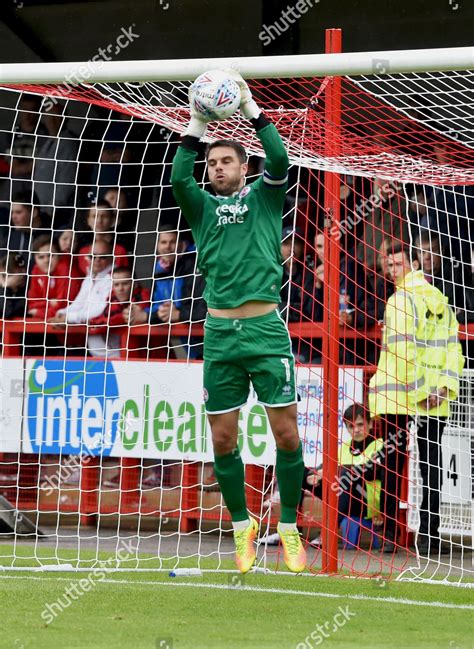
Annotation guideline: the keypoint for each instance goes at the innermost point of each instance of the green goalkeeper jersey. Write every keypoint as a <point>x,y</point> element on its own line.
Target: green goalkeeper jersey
<point>238,237</point>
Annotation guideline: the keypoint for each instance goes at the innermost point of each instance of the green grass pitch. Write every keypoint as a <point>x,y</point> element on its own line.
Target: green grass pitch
<point>152,610</point>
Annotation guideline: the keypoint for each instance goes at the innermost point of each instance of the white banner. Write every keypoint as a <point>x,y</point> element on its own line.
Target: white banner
<point>11,404</point>
<point>155,410</point>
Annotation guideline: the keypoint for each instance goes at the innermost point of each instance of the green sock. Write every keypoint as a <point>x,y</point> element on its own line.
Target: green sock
<point>230,474</point>
<point>289,472</point>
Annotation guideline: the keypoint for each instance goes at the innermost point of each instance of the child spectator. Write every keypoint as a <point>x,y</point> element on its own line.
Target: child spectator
<point>13,275</point>
<point>359,477</point>
<point>123,293</point>
<point>53,283</point>
<point>68,243</point>
<point>101,220</point>
<point>359,484</point>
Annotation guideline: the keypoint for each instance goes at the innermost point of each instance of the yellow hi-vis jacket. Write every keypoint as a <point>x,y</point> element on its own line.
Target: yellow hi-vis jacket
<point>372,487</point>
<point>420,351</point>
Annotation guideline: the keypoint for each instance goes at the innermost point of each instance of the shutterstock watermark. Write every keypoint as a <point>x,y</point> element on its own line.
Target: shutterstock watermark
<point>327,628</point>
<point>288,17</point>
<point>74,463</point>
<point>79,587</point>
<point>84,71</point>
<point>364,208</point>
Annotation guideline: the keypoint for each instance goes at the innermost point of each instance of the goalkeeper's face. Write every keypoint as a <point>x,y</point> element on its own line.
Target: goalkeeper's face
<point>226,171</point>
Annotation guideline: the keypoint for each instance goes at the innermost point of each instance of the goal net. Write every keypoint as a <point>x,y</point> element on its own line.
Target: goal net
<point>105,453</point>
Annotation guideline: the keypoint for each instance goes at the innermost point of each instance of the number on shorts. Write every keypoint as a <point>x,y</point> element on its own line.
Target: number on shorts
<point>286,363</point>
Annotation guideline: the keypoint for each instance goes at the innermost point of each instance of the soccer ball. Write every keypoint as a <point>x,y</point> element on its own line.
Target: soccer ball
<point>215,95</point>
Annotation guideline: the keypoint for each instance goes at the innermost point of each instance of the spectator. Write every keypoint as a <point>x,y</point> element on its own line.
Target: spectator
<point>297,279</point>
<point>53,283</point>
<point>170,272</point>
<point>297,286</point>
<point>383,215</point>
<point>115,315</point>
<point>13,276</point>
<point>417,374</point>
<point>18,147</point>
<point>449,213</point>
<point>446,275</point>
<point>25,223</point>
<point>101,220</point>
<point>381,280</point>
<point>359,475</point>
<point>91,301</point>
<point>55,169</point>
<point>356,293</point>
<point>68,243</point>
<point>126,216</point>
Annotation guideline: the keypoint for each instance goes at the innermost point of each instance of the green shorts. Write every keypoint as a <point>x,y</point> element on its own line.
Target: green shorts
<point>240,351</point>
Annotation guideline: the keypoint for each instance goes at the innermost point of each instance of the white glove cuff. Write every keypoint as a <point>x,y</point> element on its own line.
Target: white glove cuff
<point>250,110</point>
<point>196,128</point>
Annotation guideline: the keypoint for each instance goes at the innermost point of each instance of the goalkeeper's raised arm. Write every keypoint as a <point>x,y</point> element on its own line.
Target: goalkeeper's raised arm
<point>276,160</point>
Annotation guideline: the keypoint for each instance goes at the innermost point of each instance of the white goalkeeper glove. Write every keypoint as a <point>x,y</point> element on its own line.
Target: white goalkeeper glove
<point>197,124</point>
<point>248,106</point>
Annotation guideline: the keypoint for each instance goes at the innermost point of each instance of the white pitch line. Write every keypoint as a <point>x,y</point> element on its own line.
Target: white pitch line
<point>258,589</point>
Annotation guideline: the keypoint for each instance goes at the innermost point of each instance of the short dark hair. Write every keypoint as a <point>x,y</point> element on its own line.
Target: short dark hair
<point>356,410</point>
<point>399,246</point>
<point>426,236</point>
<point>108,244</point>
<point>101,204</point>
<point>45,240</point>
<point>232,144</point>
<point>167,227</point>
<point>23,198</point>
<point>122,269</point>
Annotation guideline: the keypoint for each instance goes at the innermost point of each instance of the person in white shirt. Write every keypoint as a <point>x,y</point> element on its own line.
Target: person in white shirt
<point>92,298</point>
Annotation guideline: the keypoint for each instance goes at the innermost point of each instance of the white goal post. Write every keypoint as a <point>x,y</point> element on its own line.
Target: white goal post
<point>252,67</point>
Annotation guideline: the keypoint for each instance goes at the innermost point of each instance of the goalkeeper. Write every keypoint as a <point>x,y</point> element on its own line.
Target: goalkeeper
<point>238,233</point>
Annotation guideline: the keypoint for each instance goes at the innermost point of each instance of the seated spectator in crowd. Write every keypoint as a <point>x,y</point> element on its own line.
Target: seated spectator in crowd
<point>297,286</point>
<point>170,272</point>
<point>13,277</point>
<point>93,296</point>
<point>55,169</point>
<point>383,215</point>
<point>104,326</point>
<point>357,304</point>
<point>68,242</point>
<point>446,275</point>
<point>53,284</point>
<point>25,225</point>
<point>297,281</point>
<point>126,224</point>
<point>101,221</point>
<point>18,146</point>
<point>356,293</point>
<point>450,212</point>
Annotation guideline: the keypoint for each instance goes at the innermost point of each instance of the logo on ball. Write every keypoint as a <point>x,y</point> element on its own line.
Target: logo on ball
<point>215,95</point>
